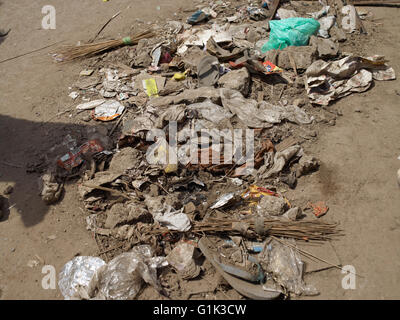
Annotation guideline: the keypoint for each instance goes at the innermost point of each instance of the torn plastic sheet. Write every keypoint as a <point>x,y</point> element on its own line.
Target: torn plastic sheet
<point>78,278</point>
<point>263,114</point>
<point>245,109</point>
<point>223,200</point>
<point>173,219</point>
<point>286,267</point>
<point>210,111</point>
<point>201,37</point>
<point>90,105</point>
<point>275,114</point>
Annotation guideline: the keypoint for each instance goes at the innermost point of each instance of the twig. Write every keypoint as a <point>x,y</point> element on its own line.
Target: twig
<point>57,115</point>
<point>118,122</point>
<point>30,52</point>
<point>11,164</point>
<point>280,94</point>
<point>105,25</point>
<point>159,185</point>
<point>111,249</point>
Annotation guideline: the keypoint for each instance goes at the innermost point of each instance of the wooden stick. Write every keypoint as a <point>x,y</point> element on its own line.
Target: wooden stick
<point>105,25</point>
<point>305,253</point>
<point>106,189</point>
<point>11,164</point>
<point>30,52</point>
<point>118,122</point>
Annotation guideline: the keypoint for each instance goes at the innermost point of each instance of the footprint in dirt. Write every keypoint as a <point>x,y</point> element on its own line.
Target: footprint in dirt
<point>327,179</point>
<point>4,34</point>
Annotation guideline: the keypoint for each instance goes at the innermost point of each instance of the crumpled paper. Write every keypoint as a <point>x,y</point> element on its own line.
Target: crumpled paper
<point>328,81</point>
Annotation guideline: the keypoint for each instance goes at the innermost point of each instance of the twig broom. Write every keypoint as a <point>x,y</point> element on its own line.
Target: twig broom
<point>71,53</point>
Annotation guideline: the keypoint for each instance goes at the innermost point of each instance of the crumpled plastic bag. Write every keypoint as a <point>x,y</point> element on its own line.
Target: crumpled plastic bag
<point>78,278</point>
<point>181,259</point>
<point>123,277</point>
<point>173,219</point>
<point>120,279</point>
<point>282,158</point>
<point>210,111</point>
<point>263,114</point>
<point>290,32</point>
<point>286,267</point>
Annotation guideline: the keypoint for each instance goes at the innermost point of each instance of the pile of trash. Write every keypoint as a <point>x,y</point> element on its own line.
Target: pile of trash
<point>205,126</point>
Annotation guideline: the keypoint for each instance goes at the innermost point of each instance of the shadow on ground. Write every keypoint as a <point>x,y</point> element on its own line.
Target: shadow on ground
<point>28,150</point>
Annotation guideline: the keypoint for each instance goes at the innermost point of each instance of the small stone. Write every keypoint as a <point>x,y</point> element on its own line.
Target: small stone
<point>86,117</point>
<point>326,47</point>
<point>290,180</point>
<point>307,164</point>
<point>293,214</point>
<point>189,208</point>
<point>32,263</point>
<point>237,80</point>
<point>271,206</point>
<point>338,34</point>
<point>299,102</point>
<point>125,159</point>
<point>154,190</point>
<point>303,57</point>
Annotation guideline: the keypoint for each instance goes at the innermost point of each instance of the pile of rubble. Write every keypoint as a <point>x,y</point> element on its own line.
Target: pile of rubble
<point>163,214</point>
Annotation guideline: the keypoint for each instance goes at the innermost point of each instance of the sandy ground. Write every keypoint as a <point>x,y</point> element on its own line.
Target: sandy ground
<point>357,177</point>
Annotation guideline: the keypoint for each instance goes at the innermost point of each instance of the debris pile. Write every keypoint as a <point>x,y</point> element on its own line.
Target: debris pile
<point>207,122</point>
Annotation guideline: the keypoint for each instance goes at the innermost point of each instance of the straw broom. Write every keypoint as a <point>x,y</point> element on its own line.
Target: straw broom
<point>299,230</point>
<point>71,53</point>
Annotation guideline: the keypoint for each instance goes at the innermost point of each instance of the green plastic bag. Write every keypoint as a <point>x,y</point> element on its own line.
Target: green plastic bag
<point>290,32</point>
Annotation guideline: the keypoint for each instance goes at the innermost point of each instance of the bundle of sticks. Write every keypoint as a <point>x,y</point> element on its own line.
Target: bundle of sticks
<point>69,53</point>
<point>299,230</point>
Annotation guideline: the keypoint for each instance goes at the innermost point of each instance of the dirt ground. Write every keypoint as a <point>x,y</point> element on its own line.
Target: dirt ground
<point>359,153</point>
